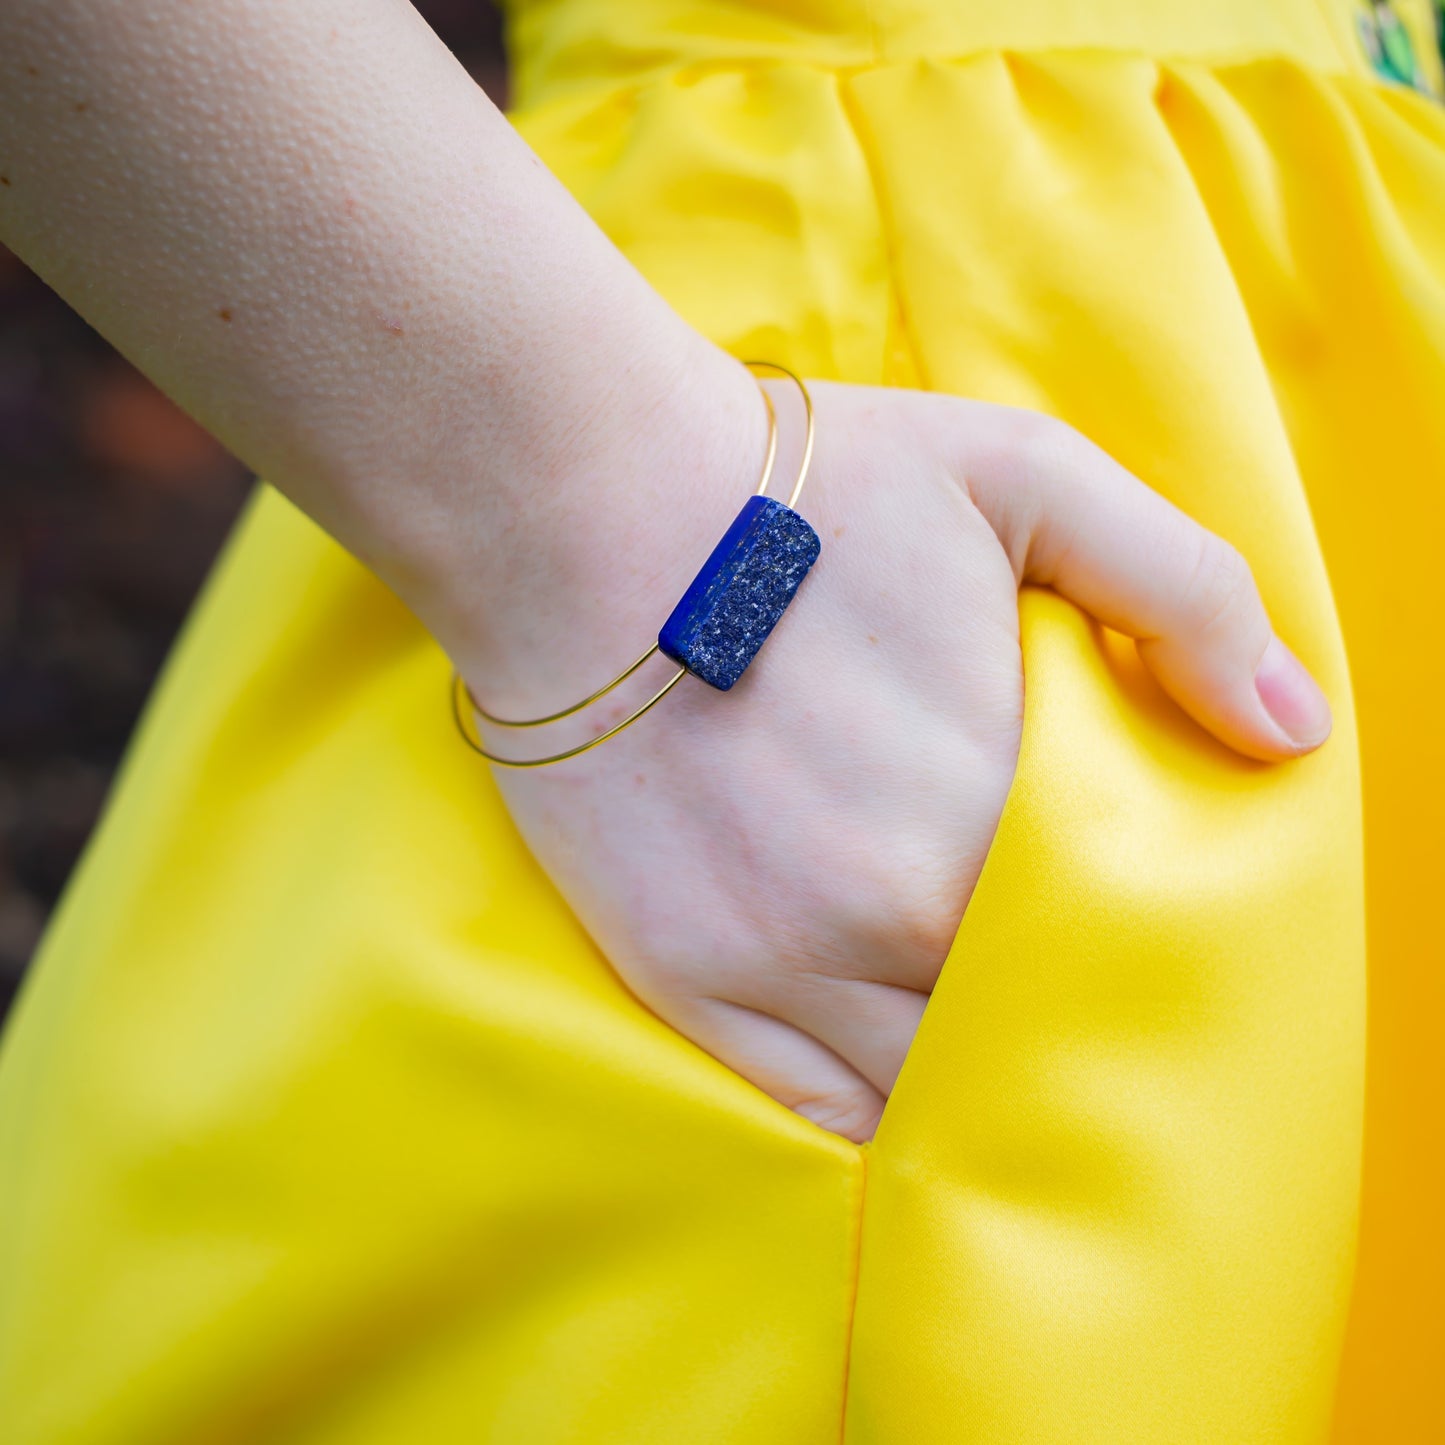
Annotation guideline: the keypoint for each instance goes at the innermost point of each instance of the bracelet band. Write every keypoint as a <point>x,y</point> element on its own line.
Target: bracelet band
<point>722,619</point>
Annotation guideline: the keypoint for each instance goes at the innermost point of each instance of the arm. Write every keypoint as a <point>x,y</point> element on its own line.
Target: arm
<point>307,224</point>
<point>311,228</point>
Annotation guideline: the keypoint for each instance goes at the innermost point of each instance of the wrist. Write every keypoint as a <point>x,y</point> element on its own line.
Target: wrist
<point>615,499</point>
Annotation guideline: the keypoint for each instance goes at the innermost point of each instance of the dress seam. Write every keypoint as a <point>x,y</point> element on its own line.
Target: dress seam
<point>859,1202</point>
<point>691,67</point>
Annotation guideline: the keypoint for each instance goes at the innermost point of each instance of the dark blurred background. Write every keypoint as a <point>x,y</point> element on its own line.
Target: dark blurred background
<point>113,504</point>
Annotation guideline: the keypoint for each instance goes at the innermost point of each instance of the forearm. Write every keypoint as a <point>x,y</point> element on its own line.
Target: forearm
<point>311,228</point>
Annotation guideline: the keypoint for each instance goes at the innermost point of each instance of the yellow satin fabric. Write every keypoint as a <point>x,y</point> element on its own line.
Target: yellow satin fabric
<point>321,1120</point>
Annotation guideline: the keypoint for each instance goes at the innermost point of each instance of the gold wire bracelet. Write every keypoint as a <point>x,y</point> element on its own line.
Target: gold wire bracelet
<point>535,722</point>
<point>463,701</point>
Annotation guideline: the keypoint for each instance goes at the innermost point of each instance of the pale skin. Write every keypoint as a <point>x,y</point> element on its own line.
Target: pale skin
<point>308,225</point>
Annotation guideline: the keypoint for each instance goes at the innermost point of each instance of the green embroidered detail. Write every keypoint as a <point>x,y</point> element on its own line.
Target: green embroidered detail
<point>1387,44</point>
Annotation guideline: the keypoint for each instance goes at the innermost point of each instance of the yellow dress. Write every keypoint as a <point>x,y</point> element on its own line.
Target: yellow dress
<point>322,1121</point>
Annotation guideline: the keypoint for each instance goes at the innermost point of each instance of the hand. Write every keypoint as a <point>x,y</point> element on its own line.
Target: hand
<point>779,871</point>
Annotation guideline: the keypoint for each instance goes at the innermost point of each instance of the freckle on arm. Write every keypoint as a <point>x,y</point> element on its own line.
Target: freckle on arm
<point>224,313</point>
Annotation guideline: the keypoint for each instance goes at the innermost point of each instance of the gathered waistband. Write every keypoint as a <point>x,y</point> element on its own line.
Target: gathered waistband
<point>560,44</point>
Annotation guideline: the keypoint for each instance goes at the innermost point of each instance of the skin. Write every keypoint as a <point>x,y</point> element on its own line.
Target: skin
<point>308,225</point>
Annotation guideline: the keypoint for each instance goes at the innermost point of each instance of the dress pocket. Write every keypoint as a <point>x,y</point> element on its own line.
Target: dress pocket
<point>1122,1155</point>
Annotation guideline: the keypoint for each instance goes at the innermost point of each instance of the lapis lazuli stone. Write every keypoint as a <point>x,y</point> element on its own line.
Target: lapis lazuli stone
<point>733,604</point>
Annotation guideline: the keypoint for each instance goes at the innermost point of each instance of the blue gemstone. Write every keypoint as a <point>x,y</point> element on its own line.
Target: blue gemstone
<point>733,604</point>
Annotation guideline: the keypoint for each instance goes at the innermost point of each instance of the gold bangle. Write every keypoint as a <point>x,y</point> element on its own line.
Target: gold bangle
<point>463,701</point>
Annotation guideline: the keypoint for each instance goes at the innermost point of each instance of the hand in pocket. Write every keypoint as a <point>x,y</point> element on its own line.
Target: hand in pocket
<point>779,871</point>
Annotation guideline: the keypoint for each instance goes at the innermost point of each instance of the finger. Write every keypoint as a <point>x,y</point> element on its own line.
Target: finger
<point>1072,518</point>
<point>786,1063</point>
<point>868,1024</point>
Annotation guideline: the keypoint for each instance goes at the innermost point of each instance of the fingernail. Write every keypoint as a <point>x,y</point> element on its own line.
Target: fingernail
<point>1292,697</point>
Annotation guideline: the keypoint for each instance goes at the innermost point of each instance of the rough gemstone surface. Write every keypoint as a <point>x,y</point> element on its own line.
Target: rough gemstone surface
<point>733,604</point>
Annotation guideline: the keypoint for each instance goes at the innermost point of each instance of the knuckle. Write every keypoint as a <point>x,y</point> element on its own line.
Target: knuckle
<point>1220,586</point>
<point>851,1112</point>
<point>1053,437</point>
<point>1002,444</point>
<point>1030,457</point>
<point>1033,447</point>
<point>1056,447</point>
<point>894,921</point>
<point>913,904</point>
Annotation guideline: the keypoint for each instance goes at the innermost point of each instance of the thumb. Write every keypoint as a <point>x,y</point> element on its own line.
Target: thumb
<point>1073,519</point>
